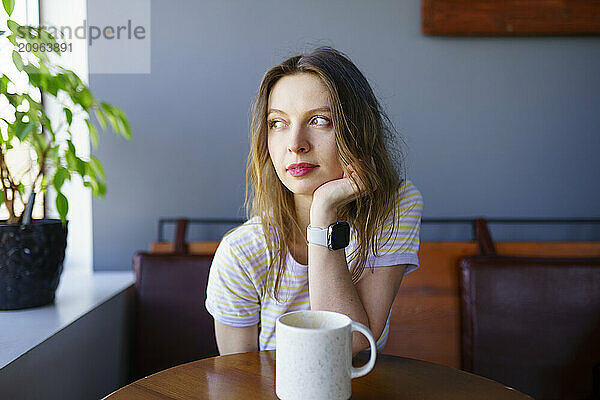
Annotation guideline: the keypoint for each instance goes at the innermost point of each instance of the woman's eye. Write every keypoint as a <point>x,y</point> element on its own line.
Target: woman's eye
<point>319,121</point>
<point>276,124</point>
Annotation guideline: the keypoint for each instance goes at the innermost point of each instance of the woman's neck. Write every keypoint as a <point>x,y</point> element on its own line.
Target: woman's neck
<point>298,247</point>
<point>303,203</point>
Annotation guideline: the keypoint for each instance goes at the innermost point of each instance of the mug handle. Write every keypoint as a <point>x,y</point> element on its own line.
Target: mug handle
<point>365,369</point>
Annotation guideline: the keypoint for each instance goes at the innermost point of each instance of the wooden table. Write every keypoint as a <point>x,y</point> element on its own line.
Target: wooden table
<point>252,376</point>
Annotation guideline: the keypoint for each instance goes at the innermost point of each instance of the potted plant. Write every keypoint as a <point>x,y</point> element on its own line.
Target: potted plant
<point>32,251</point>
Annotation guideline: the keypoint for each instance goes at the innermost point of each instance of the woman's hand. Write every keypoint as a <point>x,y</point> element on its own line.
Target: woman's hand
<point>331,195</point>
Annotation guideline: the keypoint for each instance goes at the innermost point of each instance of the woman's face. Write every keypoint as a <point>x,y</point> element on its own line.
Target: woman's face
<point>301,138</point>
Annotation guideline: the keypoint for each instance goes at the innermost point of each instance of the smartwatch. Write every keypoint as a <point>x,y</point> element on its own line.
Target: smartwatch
<point>334,237</point>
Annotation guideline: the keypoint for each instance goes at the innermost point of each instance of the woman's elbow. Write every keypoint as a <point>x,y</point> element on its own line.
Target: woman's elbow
<point>236,339</point>
<point>361,343</point>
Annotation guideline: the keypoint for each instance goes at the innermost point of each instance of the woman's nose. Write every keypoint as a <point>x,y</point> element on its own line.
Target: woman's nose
<point>298,141</point>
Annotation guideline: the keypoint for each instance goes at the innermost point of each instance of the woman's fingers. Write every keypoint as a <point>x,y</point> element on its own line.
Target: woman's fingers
<point>358,185</point>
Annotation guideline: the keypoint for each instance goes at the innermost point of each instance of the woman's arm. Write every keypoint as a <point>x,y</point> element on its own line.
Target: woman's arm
<point>377,290</point>
<point>331,288</point>
<point>231,296</point>
<point>232,339</point>
<point>330,281</point>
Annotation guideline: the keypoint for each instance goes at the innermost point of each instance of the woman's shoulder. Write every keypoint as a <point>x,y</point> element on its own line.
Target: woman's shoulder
<point>245,241</point>
<point>242,234</point>
<point>398,239</point>
<point>408,193</point>
<point>409,202</point>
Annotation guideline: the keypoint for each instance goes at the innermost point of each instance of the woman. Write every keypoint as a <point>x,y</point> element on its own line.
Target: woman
<point>318,165</point>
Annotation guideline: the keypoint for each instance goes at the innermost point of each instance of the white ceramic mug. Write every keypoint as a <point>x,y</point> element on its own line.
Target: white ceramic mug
<point>313,358</point>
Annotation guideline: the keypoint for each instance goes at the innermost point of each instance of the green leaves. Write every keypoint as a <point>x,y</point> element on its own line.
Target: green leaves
<point>12,39</point>
<point>93,133</point>
<point>22,129</point>
<point>13,26</point>
<point>83,97</point>
<point>46,37</point>
<point>97,167</point>
<point>59,178</point>
<point>62,206</point>
<point>69,115</point>
<point>117,119</point>
<point>56,155</point>
<point>9,6</point>
<point>125,128</point>
<point>100,118</point>
<point>35,75</point>
<point>4,83</point>
<point>74,163</point>
<point>98,188</point>
<point>41,41</point>
<point>15,100</point>
<point>17,60</point>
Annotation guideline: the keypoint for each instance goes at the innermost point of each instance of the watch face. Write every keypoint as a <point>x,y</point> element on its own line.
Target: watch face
<point>339,235</point>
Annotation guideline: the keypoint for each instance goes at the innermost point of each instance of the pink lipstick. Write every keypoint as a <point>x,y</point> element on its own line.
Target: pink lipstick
<point>300,169</point>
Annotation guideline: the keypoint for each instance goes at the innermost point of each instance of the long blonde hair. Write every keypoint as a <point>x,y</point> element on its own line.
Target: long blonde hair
<point>362,133</point>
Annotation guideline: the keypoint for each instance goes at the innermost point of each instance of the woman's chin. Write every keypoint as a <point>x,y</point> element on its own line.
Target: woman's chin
<point>302,189</point>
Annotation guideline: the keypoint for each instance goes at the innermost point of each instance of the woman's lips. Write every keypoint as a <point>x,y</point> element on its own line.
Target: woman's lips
<point>300,169</point>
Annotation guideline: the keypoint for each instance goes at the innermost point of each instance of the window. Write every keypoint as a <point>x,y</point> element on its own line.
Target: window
<point>19,160</point>
<point>55,13</point>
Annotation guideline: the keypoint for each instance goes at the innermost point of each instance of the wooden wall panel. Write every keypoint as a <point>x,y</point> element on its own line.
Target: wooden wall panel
<point>426,327</point>
<point>549,249</point>
<point>510,17</point>
<point>426,312</point>
<point>204,248</point>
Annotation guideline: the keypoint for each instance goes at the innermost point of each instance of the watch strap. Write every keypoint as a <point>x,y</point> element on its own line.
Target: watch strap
<point>317,235</point>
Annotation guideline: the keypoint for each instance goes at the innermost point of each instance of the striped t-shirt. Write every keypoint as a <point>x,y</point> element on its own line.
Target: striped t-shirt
<point>240,288</point>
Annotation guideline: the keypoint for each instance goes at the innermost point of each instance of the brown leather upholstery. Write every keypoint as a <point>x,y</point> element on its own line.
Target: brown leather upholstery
<point>172,325</point>
<point>533,323</point>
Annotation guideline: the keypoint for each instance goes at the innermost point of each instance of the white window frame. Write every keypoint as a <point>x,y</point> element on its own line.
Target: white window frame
<point>79,253</point>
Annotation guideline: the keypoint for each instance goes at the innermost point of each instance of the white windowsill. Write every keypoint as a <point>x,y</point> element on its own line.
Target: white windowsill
<point>79,292</point>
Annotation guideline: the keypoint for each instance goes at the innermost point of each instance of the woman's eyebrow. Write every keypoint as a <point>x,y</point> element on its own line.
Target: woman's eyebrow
<point>324,108</point>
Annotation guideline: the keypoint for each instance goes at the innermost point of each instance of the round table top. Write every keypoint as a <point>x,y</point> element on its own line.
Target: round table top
<point>252,376</point>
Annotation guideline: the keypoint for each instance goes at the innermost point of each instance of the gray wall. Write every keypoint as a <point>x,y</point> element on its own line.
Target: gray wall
<point>501,127</point>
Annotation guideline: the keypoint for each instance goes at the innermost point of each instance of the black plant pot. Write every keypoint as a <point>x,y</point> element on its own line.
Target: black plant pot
<point>31,261</point>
